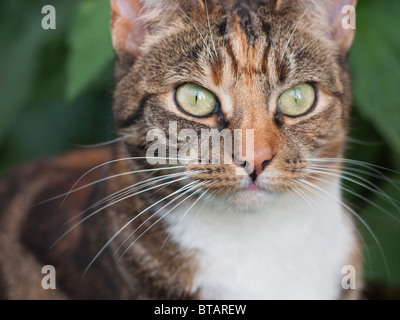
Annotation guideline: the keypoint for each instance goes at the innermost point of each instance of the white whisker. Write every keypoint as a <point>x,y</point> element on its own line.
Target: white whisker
<point>197,29</point>
<point>304,196</point>
<point>163,216</point>
<point>120,160</point>
<point>109,205</point>
<point>369,166</point>
<point>183,190</point>
<point>105,179</point>
<point>345,168</point>
<point>184,215</point>
<point>351,161</point>
<point>381,194</point>
<point>209,27</point>
<point>369,185</point>
<point>103,143</point>
<point>308,43</point>
<point>365,143</point>
<point>313,188</point>
<point>126,225</point>
<point>294,30</point>
<point>129,189</point>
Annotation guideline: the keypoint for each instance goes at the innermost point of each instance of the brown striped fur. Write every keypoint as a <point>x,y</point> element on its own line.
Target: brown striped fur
<point>247,62</point>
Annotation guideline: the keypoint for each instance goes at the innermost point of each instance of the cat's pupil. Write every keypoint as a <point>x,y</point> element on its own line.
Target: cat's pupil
<point>296,95</point>
<point>199,96</point>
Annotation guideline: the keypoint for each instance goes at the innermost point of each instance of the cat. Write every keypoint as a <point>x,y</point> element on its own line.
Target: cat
<point>272,226</point>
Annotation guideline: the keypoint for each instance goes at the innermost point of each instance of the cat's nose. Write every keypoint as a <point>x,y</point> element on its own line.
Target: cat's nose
<point>256,163</point>
<point>262,158</point>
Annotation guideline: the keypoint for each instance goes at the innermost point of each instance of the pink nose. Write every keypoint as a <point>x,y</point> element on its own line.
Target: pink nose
<point>255,163</point>
<point>262,158</point>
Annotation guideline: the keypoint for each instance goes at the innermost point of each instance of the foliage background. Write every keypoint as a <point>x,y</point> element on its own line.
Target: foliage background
<point>56,85</point>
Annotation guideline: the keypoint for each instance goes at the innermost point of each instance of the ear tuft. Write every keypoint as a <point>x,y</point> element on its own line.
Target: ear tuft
<point>125,30</point>
<point>130,20</point>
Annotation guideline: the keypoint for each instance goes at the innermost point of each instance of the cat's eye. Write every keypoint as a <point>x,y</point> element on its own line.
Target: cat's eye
<point>196,100</point>
<point>297,101</point>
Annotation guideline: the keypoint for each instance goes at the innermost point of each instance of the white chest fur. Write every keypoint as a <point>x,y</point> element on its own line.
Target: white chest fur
<point>293,249</point>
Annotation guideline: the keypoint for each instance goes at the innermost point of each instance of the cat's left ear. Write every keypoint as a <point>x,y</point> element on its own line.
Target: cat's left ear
<point>342,22</point>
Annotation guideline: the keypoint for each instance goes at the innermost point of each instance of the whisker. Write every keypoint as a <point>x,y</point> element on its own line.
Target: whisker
<point>184,215</point>
<point>365,143</point>
<point>162,217</point>
<point>360,236</point>
<point>346,168</point>
<point>352,161</point>
<point>345,188</point>
<point>103,143</point>
<point>126,225</point>
<point>206,202</point>
<point>211,196</point>
<point>372,187</point>
<point>304,196</point>
<point>309,42</point>
<point>126,159</point>
<point>294,30</point>
<point>109,205</point>
<point>120,160</point>
<point>105,179</point>
<point>183,190</point>
<point>209,27</point>
<point>298,52</point>
<point>369,166</point>
<point>194,25</point>
<point>312,187</point>
<point>190,172</point>
<point>129,189</point>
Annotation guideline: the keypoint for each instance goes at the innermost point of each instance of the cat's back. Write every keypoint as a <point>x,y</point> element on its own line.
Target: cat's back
<point>28,230</point>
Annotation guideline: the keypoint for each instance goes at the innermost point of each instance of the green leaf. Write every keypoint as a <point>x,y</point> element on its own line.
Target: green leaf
<point>19,51</point>
<point>382,254</point>
<point>90,46</point>
<point>367,146</point>
<point>375,65</point>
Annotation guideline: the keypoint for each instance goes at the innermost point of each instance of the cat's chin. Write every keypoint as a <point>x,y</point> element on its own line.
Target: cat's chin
<point>249,201</point>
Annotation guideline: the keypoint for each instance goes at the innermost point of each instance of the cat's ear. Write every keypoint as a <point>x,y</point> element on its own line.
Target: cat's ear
<point>130,22</point>
<point>342,22</point>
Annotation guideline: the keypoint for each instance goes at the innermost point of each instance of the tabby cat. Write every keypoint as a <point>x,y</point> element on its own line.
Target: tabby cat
<point>131,228</point>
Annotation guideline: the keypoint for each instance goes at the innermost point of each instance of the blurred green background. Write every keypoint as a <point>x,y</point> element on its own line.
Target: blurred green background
<point>56,87</point>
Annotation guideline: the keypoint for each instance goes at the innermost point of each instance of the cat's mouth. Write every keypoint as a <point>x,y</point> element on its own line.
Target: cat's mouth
<point>252,187</point>
<point>250,197</point>
<point>244,192</point>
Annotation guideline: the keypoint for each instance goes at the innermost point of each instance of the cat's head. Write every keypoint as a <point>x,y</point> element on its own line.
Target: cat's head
<point>274,70</point>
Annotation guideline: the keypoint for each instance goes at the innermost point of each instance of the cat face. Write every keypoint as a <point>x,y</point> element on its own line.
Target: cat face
<point>275,69</point>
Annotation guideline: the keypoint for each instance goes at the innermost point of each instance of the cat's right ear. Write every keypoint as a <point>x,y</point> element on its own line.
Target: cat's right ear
<point>126,30</point>
<point>130,23</point>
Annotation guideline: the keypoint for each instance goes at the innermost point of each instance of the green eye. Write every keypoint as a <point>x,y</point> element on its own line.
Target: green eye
<point>196,100</point>
<point>297,101</point>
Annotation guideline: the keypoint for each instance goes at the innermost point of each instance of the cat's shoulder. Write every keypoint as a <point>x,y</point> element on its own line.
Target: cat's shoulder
<point>30,224</point>
<point>50,177</point>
